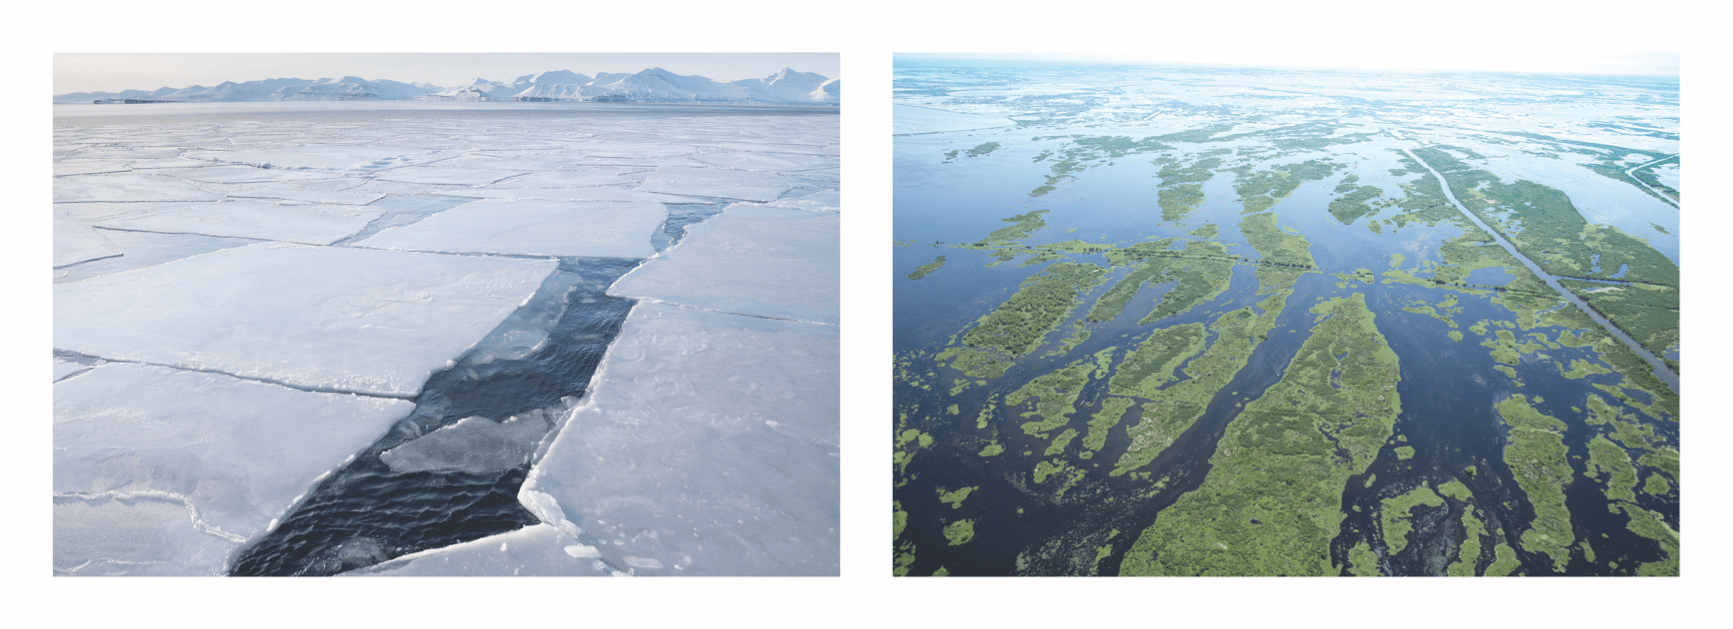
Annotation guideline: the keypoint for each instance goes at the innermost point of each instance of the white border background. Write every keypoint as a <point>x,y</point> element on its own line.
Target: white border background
<point>866,33</point>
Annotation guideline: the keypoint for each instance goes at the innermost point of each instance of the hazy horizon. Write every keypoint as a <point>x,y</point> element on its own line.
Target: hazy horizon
<point>116,72</point>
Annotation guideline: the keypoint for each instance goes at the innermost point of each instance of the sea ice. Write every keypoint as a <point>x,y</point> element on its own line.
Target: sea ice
<point>449,176</point>
<point>240,174</point>
<point>533,551</point>
<point>75,242</point>
<point>163,471</point>
<point>145,249</point>
<point>708,444</point>
<point>472,445</point>
<point>63,368</point>
<point>596,193</point>
<point>330,318</point>
<point>825,201</point>
<point>716,182</point>
<point>575,178</point>
<point>769,163</point>
<point>127,187</point>
<point>309,195</point>
<point>361,158</point>
<point>552,228</point>
<point>87,168</point>
<point>909,119</point>
<point>309,224</point>
<point>764,261</point>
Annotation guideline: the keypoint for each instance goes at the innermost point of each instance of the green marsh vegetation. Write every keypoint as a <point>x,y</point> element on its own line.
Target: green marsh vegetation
<point>1395,518</point>
<point>1273,499</point>
<point>927,268</point>
<point>1647,312</point>
<point>1536,454</point>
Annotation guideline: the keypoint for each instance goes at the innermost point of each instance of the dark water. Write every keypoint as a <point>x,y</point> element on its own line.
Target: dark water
<point>364,514</point>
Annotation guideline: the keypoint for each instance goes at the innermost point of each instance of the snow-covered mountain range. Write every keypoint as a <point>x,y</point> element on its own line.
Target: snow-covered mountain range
<point>655,85</point>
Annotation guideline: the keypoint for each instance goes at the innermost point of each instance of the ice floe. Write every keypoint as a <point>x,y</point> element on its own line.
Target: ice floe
<point>552,228</point>
<point>145,249</point>
<point>473,445</point>
<point>716,182</point>
<point>328,318</point>
<point>127,187</point>
<point>447,176</point>
<point>167,472</point>
<point>708,445</point>
<point>532,551</point>
<point>763,261</point>
<point>309,224</point>
<point>308,194</point>
<point>75,242</point>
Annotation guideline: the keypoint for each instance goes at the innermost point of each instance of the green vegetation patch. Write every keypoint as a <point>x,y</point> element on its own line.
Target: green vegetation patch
<point>955,498</point>
<point>1362,562</point>
<point>1352,206</point>
<point>1395,518</point>
<point>1152,364</point>
<point>927,268</point>
<point>1112,411</point>
<point>1277,247</point>
<point>1404,453</point>
<point>984,149</point>
<point>1504,562</point>
<point>1039,305</point>
<point>1648,313</point>
<point>1057,394</point>
<point>1608,458</point>
<point>1468,555</point>
<point>1648,524</point>
<point>960,532</point>
<point>1273,499</point>
<point>1535,452</point>
<point>1203,270</point>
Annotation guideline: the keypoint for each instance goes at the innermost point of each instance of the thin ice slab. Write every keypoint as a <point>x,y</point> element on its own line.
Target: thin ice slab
<point>356,158</point>
<point>146,249</point>
<point>162,471</point>
<point>716,182</point>
<point>326,318</point>
<point>306,194</point>
<point>447,176</point>
<point>708,446</point>
<point>128,187</point>
<point>75,242</point>
<point>533,551</point>
<point>309,224</point>
<point>764,261</point>
<point>825,201</point>
<point>552,228</point>
<point>241,174</point>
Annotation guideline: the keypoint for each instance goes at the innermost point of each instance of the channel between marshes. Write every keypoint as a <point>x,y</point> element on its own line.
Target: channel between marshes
<point>1661,371</point>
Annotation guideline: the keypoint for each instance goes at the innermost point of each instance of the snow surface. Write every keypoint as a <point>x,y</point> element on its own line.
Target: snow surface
<point>550,228</point>
<point>75,242</point>
<point>708,444</point>
<point>755,260</point>
<point>321,317</point>
<point>716,182</point>
<point>309,224</point>
<point>127,187</point>
<point>533,551</point>
<point>166,472</point>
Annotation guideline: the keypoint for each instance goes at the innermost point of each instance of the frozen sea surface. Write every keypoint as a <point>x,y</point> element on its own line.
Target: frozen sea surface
<point>164,471</point>
<point>329,318</point>
<point>493,350</point>
<point>709,445</point>
<point>754,260</point>
<point>549,228</point>
<point>75,242</point>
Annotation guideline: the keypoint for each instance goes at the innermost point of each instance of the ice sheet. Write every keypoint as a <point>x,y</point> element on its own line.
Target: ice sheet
<point>360,158</point>
<point>63,369</point>
<point>450,176</point>
<point>825,201</point>
<point>574,179</point>
<point>128,187</point>
<point>707,446</point>
<point>472,445</point>
<point>75,242</point>
<point>145,249</point>
<point>763,261</point>
<point>240,174</point>
<point>309,195</point>
<point>87,168</point>
<point>716,182</point>
<point>532,551</point>
<point>162,471</point>
<point>309,224</point>
<point>553,228</point>
<point>322,317</point>
<point>769,163</point>
<point>565,194</point>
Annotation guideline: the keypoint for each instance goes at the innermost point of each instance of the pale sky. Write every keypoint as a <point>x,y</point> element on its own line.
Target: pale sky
<point>1561,62</point>
<point>113,72</point>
